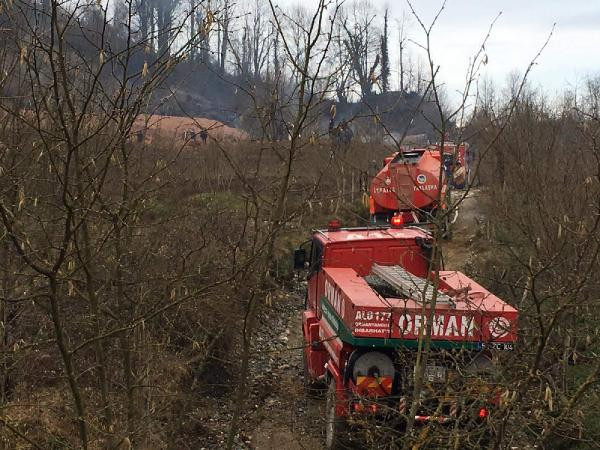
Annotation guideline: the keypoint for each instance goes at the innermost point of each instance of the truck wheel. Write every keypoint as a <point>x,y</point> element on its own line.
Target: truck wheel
<point>335,427</point>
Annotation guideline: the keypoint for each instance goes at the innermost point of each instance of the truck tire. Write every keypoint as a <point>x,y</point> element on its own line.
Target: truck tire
<point>335,427</point>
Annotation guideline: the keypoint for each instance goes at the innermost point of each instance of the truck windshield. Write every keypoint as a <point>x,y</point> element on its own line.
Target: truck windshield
<point>411,157</point>
<point>316,256</point>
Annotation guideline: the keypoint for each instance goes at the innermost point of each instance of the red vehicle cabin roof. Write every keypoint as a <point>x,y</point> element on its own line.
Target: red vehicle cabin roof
<point>364,234</point>
<point>359,248</point>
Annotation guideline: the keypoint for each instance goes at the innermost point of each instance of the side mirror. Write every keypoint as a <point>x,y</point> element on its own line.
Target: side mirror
<point>299,259</point>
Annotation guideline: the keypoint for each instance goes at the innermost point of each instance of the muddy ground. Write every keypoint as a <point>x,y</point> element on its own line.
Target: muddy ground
<point>288,418</point>
<point>460,251</point>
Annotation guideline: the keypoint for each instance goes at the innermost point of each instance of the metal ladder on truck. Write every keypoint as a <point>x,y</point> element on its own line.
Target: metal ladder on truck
<point>410,285</point>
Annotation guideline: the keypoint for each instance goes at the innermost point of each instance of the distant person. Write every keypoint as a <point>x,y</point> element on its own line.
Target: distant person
<point>448,163</point>
<point>189,135</point>
<point>459,176</point>
<point>348,134</point>
<point>204,135</point>
<point>468,165</point>
<point>472,174</point>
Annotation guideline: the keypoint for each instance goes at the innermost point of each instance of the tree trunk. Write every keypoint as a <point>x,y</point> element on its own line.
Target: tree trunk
<point>67,359</point>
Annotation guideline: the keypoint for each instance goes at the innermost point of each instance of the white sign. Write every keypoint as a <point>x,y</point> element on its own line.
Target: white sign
<point>377,316</point>
<point>385,190</point>
<point>442,326</point>
<point>335,298</point>
<point>427,187</point>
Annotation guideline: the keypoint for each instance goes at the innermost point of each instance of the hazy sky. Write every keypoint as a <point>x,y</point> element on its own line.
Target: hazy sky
<point>572,53</point>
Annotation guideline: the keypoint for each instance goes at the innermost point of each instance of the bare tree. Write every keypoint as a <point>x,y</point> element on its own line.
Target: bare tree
<point>75,94</point>
<point>303,107</point>
<point>385,57</point>
<point>360,46</point>
<point>402,25</point>
<point>224,22</point>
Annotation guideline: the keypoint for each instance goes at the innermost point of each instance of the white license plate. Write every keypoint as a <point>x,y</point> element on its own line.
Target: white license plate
<point>435,374</point>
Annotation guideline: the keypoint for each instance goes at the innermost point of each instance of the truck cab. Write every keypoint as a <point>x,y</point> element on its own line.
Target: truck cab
<point>368,304</point>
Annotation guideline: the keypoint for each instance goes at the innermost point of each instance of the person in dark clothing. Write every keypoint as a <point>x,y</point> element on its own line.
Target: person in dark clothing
<point>204,135</point>
<point>472,174</point>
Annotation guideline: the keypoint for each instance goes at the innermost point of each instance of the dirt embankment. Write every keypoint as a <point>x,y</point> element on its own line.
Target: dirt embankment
<point>279,414</point>
<point>183,129</point>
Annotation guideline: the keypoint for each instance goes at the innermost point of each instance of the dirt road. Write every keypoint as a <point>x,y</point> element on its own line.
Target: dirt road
<point>287,418</point>
<point>458,251</point>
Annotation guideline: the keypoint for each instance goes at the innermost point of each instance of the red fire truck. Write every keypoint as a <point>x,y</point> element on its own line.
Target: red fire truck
<point>409,182</point>
<point>368,303</point>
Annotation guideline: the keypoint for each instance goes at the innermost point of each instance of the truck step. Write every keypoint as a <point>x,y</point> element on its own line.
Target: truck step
<point>410,285</point>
